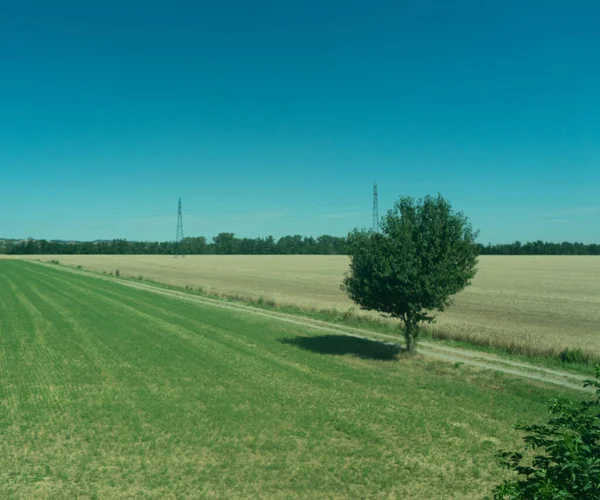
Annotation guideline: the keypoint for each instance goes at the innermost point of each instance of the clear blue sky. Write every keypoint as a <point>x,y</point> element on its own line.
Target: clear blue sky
<point>276,117</point>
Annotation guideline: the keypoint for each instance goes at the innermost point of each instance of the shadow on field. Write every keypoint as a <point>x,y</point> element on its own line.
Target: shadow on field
<point>344,344</point>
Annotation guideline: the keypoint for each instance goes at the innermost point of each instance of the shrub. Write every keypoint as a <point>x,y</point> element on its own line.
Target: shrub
<point>567,463</point>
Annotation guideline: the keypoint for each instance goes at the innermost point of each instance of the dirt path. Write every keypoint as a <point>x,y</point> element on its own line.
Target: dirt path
<point>444,353</point>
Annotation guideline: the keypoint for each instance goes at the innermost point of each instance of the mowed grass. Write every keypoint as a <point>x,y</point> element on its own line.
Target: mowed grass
<point>532,305</point>
<point>112,392</point>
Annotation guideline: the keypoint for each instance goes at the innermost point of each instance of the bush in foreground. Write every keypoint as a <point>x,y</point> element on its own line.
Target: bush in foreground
<point>567,464</point>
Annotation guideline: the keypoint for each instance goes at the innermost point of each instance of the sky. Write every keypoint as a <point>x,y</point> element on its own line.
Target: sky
<point>276,117</point>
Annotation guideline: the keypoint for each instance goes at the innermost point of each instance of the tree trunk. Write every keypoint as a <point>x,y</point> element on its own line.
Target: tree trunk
<point>409,337</point>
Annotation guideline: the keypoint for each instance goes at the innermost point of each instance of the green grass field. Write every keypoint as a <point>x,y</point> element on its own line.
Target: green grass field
<point>111,392</point>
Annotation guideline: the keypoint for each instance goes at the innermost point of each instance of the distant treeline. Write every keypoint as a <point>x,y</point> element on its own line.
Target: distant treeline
<point>222,244</point>
<point>540,248</point>
<point>228,244</point>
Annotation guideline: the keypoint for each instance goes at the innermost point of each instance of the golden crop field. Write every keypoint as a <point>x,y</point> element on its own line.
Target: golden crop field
<point>535,304</point>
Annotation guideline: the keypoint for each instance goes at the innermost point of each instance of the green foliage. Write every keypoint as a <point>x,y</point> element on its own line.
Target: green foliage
<point>425,253</point>
<point>568,466</point>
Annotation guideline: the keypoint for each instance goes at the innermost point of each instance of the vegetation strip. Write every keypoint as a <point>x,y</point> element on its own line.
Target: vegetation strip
<point>229,244</point>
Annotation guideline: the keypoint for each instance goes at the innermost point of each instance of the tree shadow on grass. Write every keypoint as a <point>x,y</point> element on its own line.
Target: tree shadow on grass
<point>338,345</point>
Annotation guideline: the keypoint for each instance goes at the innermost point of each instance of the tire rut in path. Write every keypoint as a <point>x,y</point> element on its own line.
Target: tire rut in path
<point>448,354</point>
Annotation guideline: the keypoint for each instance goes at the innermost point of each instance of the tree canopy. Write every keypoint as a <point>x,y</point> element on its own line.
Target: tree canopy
<point>424,254</point>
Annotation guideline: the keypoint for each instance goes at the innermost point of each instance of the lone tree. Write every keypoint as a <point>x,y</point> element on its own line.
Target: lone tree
<point>424,254</point>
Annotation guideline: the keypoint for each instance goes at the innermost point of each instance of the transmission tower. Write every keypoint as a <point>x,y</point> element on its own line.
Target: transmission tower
<point>179,236</point>
<point>375,209</point>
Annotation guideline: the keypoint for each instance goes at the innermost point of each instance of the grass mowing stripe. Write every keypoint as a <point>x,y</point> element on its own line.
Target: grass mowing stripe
<point>234,342</point>
<point>116,303</point>
<point>8,345</point>
<point>120,304</point>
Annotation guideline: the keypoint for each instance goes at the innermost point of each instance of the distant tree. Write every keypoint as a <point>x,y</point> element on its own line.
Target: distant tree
<point>225,244</point>
<point>326,245</point>
<point>194,246</point>
<point>290,245</point>
<point>567,462</point>
<point>309,245</point>
<point>424,254</point>
<point>265,246</point>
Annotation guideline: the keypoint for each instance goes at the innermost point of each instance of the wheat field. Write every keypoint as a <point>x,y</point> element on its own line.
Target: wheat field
<point>529,304</point>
